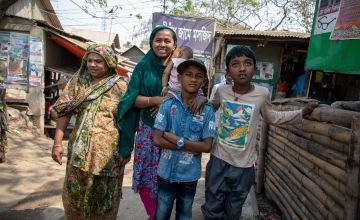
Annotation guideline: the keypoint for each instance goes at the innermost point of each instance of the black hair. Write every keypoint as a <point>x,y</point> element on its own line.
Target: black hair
<point>187,51</point>
<point>239,51</point>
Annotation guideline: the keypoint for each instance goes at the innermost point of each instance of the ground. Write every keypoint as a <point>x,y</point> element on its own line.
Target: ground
<point>31,184</point>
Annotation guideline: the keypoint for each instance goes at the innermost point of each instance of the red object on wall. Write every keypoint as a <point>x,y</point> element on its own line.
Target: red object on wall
<point>79,52</point>
<point>282,87</point>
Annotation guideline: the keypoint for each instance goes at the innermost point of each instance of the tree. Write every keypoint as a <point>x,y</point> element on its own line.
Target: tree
<point>249,14</point>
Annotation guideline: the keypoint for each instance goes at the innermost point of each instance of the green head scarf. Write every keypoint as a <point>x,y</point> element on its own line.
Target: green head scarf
<point>146,81</point>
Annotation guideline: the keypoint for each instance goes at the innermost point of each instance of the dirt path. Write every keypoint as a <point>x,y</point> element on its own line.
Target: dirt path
<point>31,184</point>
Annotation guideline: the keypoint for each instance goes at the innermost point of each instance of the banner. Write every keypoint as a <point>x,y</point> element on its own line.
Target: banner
<point>331,55</point>
<point>35,61</point>
<point>348,21</point>
<point>197,33</point>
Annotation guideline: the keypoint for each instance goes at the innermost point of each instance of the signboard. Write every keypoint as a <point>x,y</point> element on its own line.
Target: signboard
<point>196,33</point>
<point>330,55</point>
<point>347,25</point>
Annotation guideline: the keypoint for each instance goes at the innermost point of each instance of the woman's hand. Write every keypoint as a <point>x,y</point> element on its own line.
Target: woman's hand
<point>156,102</point>
<point>57,153</point>
<point>120,161</point>
<point>197,105</point>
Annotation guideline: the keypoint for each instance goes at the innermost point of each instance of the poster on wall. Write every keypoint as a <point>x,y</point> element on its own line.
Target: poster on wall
<point>4,54</point>
<point>18,59</point>
<point>266,70</point>
<point>35,62</point>
<point>347,25</point>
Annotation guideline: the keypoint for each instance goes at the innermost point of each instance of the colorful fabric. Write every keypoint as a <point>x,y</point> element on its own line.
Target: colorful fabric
<point>149,203</point>
<point>174,83</point>
<point>92,145</point>
<point>183,166</point>
<point>145,160</point>
<point>146,81</point>
<point>88,196</point>
<point>239,118</point>
<point>3,121</point>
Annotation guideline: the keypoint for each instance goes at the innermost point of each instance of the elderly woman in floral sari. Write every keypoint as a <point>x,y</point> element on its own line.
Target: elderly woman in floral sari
<point>94,171</point>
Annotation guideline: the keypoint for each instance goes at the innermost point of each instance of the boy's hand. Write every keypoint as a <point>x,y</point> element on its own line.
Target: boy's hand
<point>197,105</point>
<point>309,107</point>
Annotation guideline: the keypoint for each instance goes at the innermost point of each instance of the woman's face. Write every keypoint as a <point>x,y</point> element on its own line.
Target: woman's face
<point>163,44</point>
<point>97,66</point>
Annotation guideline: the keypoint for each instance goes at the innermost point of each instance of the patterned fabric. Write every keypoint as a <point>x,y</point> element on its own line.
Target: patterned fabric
<point>146,81</point>
<point>3,121</point>
<point>145,160</point>
<point>179,165</point>
<point>93,143</point>
<point>92,188</point>
<point>87,196</point>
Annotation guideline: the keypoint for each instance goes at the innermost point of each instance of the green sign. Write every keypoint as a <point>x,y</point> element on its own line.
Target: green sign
<point>330,55</point>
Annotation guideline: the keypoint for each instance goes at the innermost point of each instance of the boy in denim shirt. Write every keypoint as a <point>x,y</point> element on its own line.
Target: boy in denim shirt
<point>182,137</point>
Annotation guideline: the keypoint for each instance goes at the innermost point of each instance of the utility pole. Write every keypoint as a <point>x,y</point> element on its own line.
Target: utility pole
<point>164,6</point>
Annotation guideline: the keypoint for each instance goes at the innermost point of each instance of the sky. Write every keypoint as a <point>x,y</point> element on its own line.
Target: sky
<point>124,21</point>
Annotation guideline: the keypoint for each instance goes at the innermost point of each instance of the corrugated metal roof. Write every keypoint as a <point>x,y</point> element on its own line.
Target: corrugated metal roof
<point>52,14</point>
<point>96,36</point>
<point>273,34</point>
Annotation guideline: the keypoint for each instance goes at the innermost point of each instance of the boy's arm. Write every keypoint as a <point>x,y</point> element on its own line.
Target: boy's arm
<point>281,117</point>
<point>168,140</point>
<point>161,142</point>
<point>193,146</point>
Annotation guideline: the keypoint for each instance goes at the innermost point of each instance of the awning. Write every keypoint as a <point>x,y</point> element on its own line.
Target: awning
<point>78,49</point>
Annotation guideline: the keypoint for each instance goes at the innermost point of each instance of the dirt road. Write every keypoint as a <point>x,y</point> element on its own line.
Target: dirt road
<point>31,184</point>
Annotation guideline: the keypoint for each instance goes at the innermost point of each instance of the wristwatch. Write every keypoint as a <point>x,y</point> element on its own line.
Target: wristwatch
<point>180,143</point>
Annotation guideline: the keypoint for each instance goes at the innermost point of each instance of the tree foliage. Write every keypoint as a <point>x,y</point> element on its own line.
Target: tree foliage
<point>249,14</point>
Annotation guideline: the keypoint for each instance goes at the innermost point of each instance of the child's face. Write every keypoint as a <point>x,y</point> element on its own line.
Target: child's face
<point>191,79</point>
<point>241,70</point>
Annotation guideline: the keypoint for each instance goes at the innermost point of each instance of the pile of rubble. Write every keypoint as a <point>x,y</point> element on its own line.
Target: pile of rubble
<point>20,120</point>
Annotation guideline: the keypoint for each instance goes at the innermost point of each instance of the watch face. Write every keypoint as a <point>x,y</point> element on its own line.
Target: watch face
<point>180,143</point>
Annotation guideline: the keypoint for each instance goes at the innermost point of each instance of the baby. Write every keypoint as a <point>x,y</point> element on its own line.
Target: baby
<point>170,77</point>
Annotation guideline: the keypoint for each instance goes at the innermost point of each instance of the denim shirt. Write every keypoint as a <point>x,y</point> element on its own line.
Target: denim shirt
<point>180,165</point>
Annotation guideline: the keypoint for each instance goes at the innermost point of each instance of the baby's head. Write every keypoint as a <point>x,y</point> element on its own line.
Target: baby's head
<point>186,52</point>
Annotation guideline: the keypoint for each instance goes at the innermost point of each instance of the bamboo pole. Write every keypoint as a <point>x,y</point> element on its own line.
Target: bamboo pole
<point>308,184</point>
<point>336,184</point>
<point>316,149</point>
<point>333,131</point>
<point>294,192</point>
<point>290,198</point>
<point>283,200</point>
<point>275,199</point>
<point>261,159</point>
<point>314,201</point>
<point>320,139</point>
<point>336,116</point>
<point>326,166</point>
<point>329,189</point>
<point>352,183</point>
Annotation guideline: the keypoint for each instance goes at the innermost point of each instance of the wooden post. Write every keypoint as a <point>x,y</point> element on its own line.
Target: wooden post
<point>261,159</point>
<point>352,183</point>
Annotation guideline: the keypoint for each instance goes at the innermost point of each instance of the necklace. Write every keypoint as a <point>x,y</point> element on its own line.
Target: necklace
<point>236,98</point>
